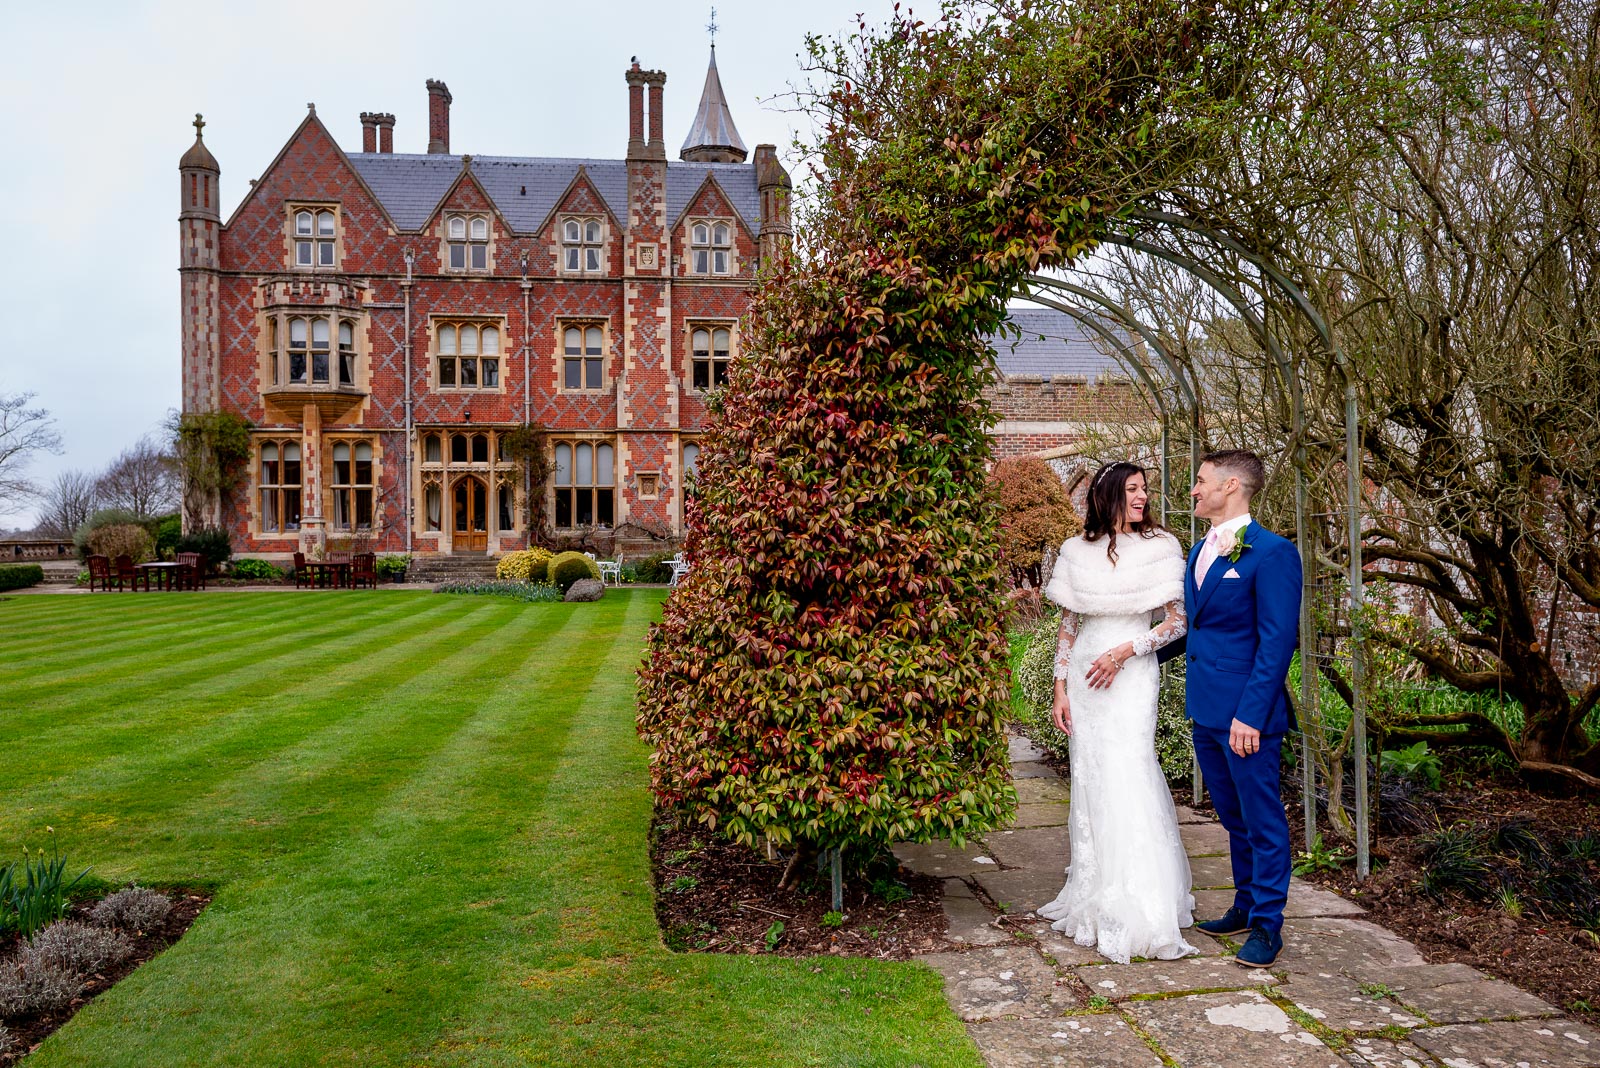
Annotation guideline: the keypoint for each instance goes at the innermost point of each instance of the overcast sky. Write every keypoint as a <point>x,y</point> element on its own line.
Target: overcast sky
<point>96,102</point>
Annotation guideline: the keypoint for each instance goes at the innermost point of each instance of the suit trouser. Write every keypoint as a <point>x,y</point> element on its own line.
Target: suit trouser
<point>1244,791</point>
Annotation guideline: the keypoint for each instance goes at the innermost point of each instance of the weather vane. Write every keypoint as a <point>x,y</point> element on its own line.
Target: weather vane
<point>711,27</point>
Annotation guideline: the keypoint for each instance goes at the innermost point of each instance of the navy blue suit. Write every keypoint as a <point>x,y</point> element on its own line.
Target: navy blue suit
<point>1243,629</point>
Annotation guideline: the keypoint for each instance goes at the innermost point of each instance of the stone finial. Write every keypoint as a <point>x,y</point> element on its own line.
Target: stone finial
<point>199,157</point>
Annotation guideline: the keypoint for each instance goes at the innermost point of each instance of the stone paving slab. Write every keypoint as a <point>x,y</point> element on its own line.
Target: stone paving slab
<point>969,921</point>
<point>1035,791</point>
<point>1459,993</point>
<point>1061,948</point>
<point>1042,813</point>
<point>1119,981</point>
<point>1033,769</point>
<point>1384,1053</point>
<point>1024,890</point>
<point>1241,1029</point>
<point>1330,945</point>
<point>1102,1040</point>
<point>1014,980</point>
<point>1304,902</point>
<point>1339,1002</point>
<point>1023,749</point>
<point>1211,872</point>
<point>1045,848</point>
<point>1201,839</point>
<point>943,859</point>
<point>1525,1044</point>
<point>1189,815</point>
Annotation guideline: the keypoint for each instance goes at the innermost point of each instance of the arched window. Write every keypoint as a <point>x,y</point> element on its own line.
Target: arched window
<point>278,483</point>
<point>581,241</point>
<point>316,237</point>
<point>711,247</point>
<point>458,448</point>
<point>433,507</point>
<point>431,453</point>
<point>710,352</point>
<point>468,355</point>
<point>352,485</point>
<point>468,239</point>
<point>585,479</point>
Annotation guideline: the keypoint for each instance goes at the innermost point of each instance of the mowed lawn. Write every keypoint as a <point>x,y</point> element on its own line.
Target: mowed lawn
<point>425,820</point>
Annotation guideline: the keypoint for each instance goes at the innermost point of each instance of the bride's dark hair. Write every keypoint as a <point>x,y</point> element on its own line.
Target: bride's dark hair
<point>1108,498</point>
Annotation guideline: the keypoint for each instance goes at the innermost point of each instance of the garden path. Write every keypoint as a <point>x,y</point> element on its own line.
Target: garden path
<point>1344,992</point>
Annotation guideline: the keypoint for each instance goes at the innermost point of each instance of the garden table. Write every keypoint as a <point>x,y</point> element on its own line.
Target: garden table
<point>326,572</point>
<point>165,572</point>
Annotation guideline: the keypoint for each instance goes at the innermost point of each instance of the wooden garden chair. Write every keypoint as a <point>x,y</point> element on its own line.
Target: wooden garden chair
<point>191,572</point>
<point>100,573</point>
<point>364,569</point>
<point>302,573</point>
<point>126,572</point>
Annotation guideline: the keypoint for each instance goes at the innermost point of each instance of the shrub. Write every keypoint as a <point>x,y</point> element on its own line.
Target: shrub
<point>653,568</point>
<point>1415,762</point>
<point>251,568</point>
<point>525,565</point>
<point>79,947</point>
<point>166,529</point>
<point>18,576</point>
<point>134,909</point>
<point>28,986</point>
<point>1036,668</point>
<point>105,517</point>
<point>1035,512</point>
<point>533,592</point>
<point>212,543</point>
<point>118,539</point>
<point>392,563</point>
<point>567,568</point>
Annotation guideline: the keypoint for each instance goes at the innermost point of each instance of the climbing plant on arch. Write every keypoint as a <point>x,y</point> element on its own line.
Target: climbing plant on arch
<point>833,668</point>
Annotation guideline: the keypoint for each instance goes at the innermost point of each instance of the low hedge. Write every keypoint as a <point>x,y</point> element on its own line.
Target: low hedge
<point>17,576</point>
<point>567,568</point>
<point>524,565</point>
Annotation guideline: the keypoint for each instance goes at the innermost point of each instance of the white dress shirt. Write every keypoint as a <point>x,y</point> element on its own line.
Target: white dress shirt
<point>1208,551</point>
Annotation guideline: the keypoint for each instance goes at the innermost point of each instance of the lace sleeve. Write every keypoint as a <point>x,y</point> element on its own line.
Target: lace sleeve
<point>1070,622</point>
<point>1173,627</point>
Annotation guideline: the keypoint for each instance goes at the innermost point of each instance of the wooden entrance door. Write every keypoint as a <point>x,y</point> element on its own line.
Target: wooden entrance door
<point>471,530</point>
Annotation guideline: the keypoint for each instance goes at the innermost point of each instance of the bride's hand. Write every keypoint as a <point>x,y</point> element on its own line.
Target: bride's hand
<point>1103,672</point>
<point>1061,714</point>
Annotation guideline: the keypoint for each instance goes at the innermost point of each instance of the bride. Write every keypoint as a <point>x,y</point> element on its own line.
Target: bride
<point>1127,887</point>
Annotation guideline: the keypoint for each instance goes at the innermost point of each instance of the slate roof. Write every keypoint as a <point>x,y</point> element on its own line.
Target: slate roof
<point>1054,344</point>
<point>410,186</point>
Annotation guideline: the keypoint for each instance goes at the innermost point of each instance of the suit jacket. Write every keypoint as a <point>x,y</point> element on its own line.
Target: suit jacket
<point>1243,632</point>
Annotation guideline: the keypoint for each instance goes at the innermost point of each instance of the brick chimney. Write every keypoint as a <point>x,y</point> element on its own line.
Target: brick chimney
<point>635,110</point>
<point>369,132</point>
<point>656,80</point>
<point>385,132</point>
<point>438,117</point>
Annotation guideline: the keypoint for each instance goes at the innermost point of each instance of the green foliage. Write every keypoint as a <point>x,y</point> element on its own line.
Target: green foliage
<point>33,890</point>
<point>1456,860</point>
<point>774,933</point>
<point>652,568</point>
<point>832,919</point>
<point>1320,857</point>
<point>252,568</point>
<point>391,563</point>
<point>1415,762</point>
<point>683,884</point>
<point>123,539</point>
<point>1035,512</point>
<point>568,567</point>
<point>166,529</point>
<point>526,565</point>
<point>532,592</point>
<point>214,545</point>
<point>20,576</point>
<point>528,446</point>
<point>213,449</point>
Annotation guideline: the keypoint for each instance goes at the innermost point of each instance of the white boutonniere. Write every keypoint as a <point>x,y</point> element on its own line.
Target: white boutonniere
<point>1231,543</point>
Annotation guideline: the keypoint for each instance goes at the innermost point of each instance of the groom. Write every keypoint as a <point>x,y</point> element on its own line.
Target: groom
<point>1242,592</point>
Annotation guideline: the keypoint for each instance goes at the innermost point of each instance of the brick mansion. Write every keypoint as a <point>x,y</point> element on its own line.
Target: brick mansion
<point>385,320</point>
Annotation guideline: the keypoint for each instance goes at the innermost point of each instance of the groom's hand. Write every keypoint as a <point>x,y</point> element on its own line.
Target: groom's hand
<point>1244,739</point>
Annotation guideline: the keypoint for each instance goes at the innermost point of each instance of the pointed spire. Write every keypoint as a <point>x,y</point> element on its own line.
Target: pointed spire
<point>712,136</point>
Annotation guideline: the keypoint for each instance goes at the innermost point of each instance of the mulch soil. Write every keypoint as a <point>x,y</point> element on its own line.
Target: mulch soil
<point>713,896</point>
<point>28,1031</point>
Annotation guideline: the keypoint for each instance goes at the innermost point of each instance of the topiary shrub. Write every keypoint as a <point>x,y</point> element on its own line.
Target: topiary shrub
<point>251,568</point>
<point>1035,512</point>
<point>212,543</point>
<point>524,565</point>
<point>20,576</point>
<point>118,539</point>
<point>567,568</point>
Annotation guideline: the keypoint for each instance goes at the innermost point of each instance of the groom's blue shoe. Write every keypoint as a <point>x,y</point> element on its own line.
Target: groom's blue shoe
<point>1262,948</point>
<point>1233,922</point>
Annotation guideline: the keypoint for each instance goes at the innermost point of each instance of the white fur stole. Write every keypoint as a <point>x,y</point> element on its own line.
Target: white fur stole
<point>1147,575</point>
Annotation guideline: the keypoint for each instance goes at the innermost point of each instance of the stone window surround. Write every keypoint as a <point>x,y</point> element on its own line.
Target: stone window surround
<point>594,439</point>
<point>273,372</point>
<point>582,323</point>
<point>496,474</point>
<point>440,319</point>
<point>258,527</point>
<point>602,244</point>
<point>330,446</point>
<point>487,242</point>
<point>290,237</point>
<point>709,247</point>
<point>730,324</point>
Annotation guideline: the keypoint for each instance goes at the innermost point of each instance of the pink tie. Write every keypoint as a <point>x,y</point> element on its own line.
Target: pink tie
<point>1208,556</point>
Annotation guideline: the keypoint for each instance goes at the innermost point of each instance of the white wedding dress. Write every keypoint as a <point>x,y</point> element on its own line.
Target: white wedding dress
<point>1128,889</point>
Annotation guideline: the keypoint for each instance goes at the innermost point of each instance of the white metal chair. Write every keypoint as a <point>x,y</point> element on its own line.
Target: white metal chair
<point>680,568</point>
<point>611,571</point>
